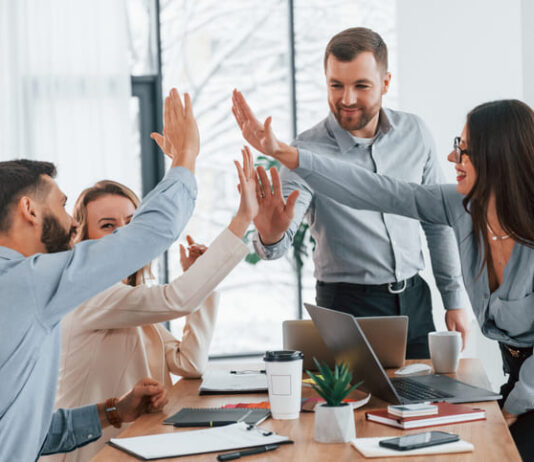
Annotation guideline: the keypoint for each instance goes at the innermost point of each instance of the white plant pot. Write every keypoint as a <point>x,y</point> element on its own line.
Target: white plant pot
<point>334,424</point>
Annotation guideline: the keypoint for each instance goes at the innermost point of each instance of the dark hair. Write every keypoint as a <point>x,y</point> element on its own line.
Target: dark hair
<point>100,189</point>
<point>17,178</point>
<point>349,43</point>
<point>500,139</point>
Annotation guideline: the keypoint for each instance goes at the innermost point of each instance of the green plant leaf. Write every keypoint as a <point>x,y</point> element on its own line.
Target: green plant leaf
<point>332,385</point>
<point>267,162</point>
<point>252,258</point>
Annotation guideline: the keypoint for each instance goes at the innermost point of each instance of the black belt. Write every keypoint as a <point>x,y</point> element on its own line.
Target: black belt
<point>519,352</point>
<point>390,287</point>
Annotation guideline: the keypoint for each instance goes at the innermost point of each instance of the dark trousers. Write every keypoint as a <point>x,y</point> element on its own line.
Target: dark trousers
<point>522,429</point>
<point>414,302</point>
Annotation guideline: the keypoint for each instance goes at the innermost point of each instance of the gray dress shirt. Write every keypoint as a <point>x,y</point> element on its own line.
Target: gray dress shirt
<point>370,247</point>
<point>37,291</point>
<point>507,314</point>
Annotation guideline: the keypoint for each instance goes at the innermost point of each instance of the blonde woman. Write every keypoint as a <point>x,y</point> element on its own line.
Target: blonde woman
<point>114,339</point>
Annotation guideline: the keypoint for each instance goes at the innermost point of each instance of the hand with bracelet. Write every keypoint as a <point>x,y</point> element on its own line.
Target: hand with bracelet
<point>146,396</point>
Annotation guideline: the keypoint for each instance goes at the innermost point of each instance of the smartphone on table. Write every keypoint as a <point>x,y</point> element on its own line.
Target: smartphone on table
<point>419,440</point>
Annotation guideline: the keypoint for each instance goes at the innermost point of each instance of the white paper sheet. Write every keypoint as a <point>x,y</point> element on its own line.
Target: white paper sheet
<point>369,447</point>
<point>235,436</point>
<point>224,382</point>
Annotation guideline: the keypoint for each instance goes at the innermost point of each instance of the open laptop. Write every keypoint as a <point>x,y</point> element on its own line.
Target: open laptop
<point>342,334</point>
<point>386,334</point>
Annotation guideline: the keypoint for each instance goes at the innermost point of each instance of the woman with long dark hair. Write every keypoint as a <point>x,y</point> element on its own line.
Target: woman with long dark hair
<point>491,210</point>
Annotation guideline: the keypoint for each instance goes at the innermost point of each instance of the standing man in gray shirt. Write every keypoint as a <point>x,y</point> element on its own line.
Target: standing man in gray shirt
<point>366,263</point>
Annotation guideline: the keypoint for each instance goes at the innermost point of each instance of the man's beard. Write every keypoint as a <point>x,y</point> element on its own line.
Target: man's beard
<point>54,236</point>
<point>351,124</point>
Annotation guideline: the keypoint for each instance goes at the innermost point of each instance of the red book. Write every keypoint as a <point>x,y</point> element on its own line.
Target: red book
<point>447,414</point>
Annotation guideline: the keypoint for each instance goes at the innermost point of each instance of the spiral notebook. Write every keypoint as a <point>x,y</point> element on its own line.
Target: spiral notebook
<point>216,417</point>
<point>180,443</point>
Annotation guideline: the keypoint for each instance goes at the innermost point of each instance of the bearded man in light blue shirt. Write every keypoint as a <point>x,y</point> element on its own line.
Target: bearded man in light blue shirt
<point>366,262</point>
<point>42,279</point>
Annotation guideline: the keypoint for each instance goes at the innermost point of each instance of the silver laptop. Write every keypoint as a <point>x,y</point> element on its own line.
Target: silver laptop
<point>345,339</point>
<point>386,334</point>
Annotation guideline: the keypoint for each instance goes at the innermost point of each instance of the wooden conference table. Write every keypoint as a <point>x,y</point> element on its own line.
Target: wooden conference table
<point>491,437</point>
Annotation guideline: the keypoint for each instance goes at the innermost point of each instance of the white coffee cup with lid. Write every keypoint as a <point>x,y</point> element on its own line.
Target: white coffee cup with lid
<point>284,382</point>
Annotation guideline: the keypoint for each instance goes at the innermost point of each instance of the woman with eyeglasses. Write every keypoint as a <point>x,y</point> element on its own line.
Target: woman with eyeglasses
<point>491,210</point>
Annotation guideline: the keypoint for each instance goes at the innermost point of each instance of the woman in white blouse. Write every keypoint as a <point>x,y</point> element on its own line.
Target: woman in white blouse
<point>115,338</point>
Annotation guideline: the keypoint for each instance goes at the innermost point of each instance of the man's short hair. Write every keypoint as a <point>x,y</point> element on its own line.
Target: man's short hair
<point>19,177</point>
<point>349,43</point>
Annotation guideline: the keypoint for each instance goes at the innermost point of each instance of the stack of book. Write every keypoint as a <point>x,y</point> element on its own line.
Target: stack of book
<point>445,414</point>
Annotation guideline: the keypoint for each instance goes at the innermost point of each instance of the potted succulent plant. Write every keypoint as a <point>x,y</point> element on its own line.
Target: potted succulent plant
<point>334,420</point>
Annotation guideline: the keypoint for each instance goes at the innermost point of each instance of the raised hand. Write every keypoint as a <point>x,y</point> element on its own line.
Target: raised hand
<point>180,140</point>
<point>248,205</point>
<point>147,395</point>
<point>275,214</point>
<point>261,136</point>
<point>194,251</point>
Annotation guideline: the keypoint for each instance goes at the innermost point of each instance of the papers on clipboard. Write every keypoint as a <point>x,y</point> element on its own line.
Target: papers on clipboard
<point>215,382</point>
<point>235,436</point>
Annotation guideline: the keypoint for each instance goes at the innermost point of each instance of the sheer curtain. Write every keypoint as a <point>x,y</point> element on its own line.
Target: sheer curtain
<point>65,89</point>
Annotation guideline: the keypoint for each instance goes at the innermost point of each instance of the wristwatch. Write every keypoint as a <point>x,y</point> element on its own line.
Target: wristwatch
<point>112,413</point>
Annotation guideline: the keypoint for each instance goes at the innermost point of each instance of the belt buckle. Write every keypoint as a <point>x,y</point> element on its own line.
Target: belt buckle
<point>391,290</point>
<point>515,353</point>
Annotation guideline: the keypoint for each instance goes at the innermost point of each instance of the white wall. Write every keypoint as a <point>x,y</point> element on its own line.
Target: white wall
<point>453,55</point>
<point>528,51</point>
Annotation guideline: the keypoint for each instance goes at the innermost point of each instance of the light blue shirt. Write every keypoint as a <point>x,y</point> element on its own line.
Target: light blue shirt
<point>71,429</point>
<point>370,247</point>
<point>507,314</point>
<point>38,291</point>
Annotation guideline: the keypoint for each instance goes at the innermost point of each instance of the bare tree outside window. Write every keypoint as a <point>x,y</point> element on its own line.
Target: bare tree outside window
<point>210,47</point>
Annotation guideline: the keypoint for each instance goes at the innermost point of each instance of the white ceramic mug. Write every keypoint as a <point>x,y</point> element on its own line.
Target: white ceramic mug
<point>445,348</point>
<point>284,382</point>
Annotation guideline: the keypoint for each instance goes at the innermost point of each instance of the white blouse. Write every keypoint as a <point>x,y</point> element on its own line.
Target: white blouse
<point>114,339</point>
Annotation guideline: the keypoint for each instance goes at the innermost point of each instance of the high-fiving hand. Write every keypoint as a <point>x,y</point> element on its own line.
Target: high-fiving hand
<point>180,140</point>
<point>248,205</point>
<point>275,214</point>
<point>261,136</point>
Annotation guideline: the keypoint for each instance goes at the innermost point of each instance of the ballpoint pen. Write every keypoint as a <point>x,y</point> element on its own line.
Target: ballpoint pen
<point>249,371</point>
<point>248,452</point>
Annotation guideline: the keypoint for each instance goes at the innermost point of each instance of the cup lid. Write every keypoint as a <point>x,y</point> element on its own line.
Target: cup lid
<point>283,355</point>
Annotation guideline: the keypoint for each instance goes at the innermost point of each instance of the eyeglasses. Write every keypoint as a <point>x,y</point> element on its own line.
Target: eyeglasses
<point>458,150</point>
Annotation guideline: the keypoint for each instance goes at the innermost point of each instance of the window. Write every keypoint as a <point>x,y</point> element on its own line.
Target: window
<point>272,51</point>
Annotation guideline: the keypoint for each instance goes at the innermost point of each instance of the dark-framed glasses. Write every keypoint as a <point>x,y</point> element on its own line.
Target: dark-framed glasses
<point>458,151</point>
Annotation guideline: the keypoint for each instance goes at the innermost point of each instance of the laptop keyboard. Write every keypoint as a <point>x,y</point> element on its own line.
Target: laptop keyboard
<point>412,390</point>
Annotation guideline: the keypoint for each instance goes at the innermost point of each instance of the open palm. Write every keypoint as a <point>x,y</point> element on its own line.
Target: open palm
<point>259,135</point>
<point>275,214</point>
<point>248,206</point>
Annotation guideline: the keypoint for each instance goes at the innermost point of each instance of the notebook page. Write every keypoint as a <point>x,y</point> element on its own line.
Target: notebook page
<point>233,436</point>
